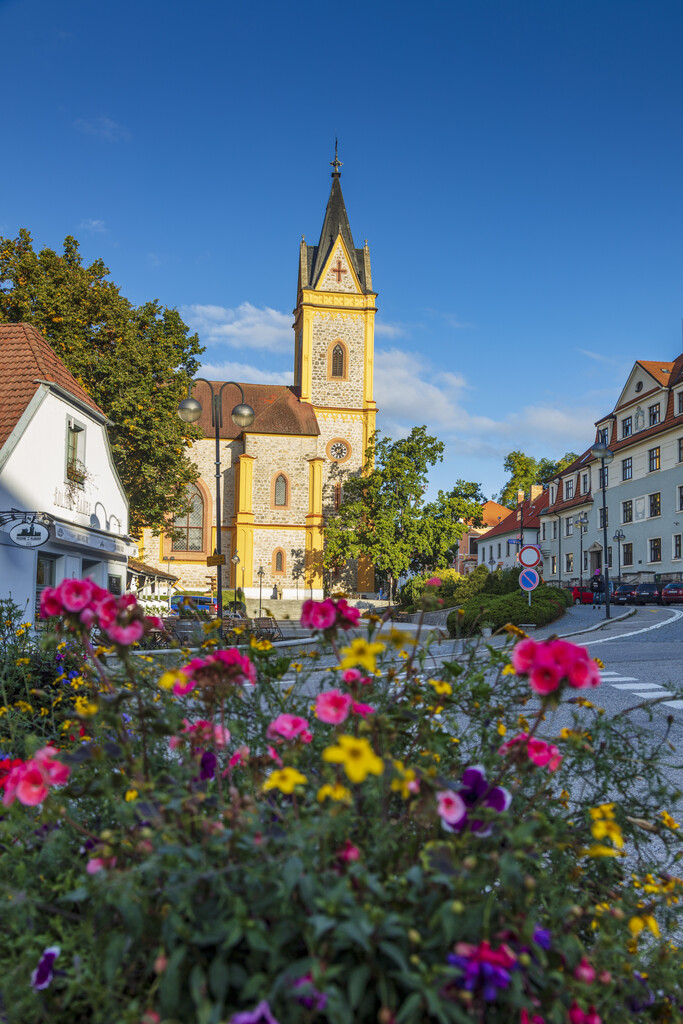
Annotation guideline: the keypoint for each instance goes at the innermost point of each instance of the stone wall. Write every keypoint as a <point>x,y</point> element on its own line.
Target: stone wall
<point>326,329</point>
<point>277,454</point>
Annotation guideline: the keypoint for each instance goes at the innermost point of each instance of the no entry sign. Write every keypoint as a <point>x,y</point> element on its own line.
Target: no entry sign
<point>529,556</point>
<point>528,579</point>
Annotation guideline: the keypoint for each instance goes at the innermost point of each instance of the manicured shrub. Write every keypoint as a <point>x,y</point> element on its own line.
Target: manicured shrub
<point>547,604</point>
<point>228,844</point>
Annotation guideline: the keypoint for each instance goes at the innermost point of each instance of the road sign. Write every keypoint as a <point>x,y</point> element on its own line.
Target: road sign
<point>528,579</point>
<point>215,560</point>
<point>529,556</point>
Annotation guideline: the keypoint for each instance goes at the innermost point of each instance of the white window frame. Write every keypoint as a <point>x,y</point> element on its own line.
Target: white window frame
<point>676,557</point>
<point>654,561</point>
<point>569,561</point>
<point>569,489</point>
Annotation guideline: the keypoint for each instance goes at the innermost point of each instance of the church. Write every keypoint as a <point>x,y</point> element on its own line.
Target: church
<point>282,476</point>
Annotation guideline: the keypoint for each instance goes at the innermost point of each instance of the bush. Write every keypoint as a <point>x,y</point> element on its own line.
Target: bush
<point>547,604</point>
<point>216,847</point>
<point>455,589</point>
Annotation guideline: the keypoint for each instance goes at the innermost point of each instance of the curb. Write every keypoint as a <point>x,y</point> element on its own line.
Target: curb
<point>599,625</point>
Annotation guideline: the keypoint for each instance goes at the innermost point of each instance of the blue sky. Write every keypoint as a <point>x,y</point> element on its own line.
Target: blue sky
<point>516,169</point>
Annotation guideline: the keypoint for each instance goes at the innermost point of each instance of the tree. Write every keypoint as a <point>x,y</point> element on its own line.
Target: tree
<point>135,362</point>
<point>525,470</point>
<point>383,514</point>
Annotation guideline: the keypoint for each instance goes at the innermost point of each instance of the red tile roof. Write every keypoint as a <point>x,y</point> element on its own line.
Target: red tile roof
<point>660,371</point>
<point>25,358</point>
<point>277,407</point>
<point>531,511</point>
<point>492,513</point>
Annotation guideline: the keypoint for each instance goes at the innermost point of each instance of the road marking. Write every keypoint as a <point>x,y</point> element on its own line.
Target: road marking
<point>646,629</point>
<point>635,686</point>
<point>619,679</point>
<point>652,693</point>
<point>673,703</point>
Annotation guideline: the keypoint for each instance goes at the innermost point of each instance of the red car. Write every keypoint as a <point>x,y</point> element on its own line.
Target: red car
<point>582,596</point>
<point>672,593</point>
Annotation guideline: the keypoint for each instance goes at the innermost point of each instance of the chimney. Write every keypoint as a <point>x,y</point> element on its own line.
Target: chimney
<point>536,491</point>
<point>520,497</point>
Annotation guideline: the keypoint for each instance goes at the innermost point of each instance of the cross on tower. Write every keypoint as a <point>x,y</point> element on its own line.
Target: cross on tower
<point>339,270</point>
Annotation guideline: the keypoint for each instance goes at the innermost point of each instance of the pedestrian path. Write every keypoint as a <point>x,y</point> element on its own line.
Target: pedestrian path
<point>648,691</point>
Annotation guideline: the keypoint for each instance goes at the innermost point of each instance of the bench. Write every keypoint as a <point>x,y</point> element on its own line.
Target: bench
<point>267,628</point>
<point>232,623</point>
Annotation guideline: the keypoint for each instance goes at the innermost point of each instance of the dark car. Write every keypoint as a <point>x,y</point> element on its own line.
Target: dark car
<point>624,594</point>
<point>673,593</point>
<point>648,593</point>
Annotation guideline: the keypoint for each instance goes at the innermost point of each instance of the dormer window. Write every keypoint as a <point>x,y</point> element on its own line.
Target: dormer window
<point>569,488</point>
<point>602,435</point>
<point>627,426</point>
<point>653,415</point>
<point>75,452</point>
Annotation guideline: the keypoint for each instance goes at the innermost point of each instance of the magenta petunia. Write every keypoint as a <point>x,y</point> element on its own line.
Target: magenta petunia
<point>333,706</point>
<point>50,603</point>
<point>75,594</point>
<point>318,615</point>
<point>288,727</point>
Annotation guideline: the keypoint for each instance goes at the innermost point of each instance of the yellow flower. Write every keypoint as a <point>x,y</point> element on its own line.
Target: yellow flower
<point>337,792</point>
<point>261,645</point>
<point>361,652</point>
<point>564,798</point>
<point>3,710</point>
<point>523,722</point>
<point>402,783</point>
<point>440,686</point>
<point>515,631</point>
<point>604,825</point>
<point>284,779</point>
<point>357,756</point>
<point>131,794</point>
<point>23,661</point>
<point>501,730</point>
<point>598,850</point>
<point>637,924</point>
<point>669,821</point>
<point>599,663</point>
<point>508,670</point>
<point>168,680</point>
<point>84,707</point>
<point>23,706</point>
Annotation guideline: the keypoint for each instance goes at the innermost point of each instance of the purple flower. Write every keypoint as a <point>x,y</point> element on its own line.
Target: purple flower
<point>308,995</point>
<point>261,1014</point>
<point>481,976</point>
<point>542,937</point>
<point>42,976</point>
<point>476,792</point>
<point>207,765</point>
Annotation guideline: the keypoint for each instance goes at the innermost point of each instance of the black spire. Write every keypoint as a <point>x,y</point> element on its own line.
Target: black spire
<point>336,222</point>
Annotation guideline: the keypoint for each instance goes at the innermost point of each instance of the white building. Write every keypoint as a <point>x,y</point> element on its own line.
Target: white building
<point>63,511</point>
<point>499,547</point>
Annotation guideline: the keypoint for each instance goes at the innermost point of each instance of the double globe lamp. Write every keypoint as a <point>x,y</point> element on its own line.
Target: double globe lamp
<point>243,415</point>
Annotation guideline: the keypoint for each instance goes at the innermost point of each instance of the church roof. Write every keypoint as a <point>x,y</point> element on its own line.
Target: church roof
<point>336,222</point>
<point>277,407</point>
<point>26,361</point>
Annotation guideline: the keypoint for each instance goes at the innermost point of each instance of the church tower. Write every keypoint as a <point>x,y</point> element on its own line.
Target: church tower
<point>334,329</point>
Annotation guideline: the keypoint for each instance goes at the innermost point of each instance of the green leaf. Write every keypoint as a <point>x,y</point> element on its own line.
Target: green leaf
<point>113,956</point>
<point>169,988</point>
<point>358,979</point>
<point>411,1009</point>
<point>218,977</point>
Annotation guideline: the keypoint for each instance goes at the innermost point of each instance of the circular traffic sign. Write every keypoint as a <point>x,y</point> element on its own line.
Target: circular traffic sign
<point>529,556</point>
<point>528,579</point>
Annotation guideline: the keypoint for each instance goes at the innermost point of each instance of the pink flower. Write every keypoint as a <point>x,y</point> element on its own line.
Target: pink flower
<point>289,727</point>
<point>544,678</point>
<point>524,1018</point>
<point>239,757</point>
<point>96,864</point>
<point>126,635</point>
<point>221,735</point>
<point>318,614</point>
<point>362,709</point>
<point>524,656</point>
<point>75,594</point>
<point>353,676</point>
<point>154,622</point>
<point>584,972</point>
<point>106,611</point>
<point>347,615</point>
<point>433,582</point>
<point>87,616</point>
<point>542,753</point>
<point>127,601</point>
<point>450,806</point>
<point>348,852</point>
<point>57,773</point>
<point>578,1016</point>
<point>50,603</point>
<point>332,706</point>
<point>273,754</point>
<point>584,673</point>
<point>181,687</point>
<point>32,786</point>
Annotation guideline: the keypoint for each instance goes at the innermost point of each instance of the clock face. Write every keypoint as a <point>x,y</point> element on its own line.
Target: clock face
<point>338,451</point>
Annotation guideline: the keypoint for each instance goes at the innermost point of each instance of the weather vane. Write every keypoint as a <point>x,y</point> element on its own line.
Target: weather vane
<point>336,163</point>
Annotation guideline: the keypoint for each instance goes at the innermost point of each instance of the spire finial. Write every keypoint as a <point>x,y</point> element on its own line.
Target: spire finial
<point>336,163</point>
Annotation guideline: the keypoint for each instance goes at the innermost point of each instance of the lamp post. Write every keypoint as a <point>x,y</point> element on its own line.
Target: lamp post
<point>582,522</point>
<point>235,561</point>
<point>168,559</point>
<point>602,452</point>
<point>261,573</point>
<point>492,562</point>
<point>244,596</point>
<point>243,415</point>
<point>618,537</point>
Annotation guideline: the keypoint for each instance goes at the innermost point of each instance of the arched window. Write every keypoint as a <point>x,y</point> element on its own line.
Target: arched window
<point>279,562</point>
<point>189,528</point>
<point>281,490</point>
<point>337,361</point>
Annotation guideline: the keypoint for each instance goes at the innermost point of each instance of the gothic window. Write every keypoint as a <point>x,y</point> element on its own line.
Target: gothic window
<point>337,361</point>
<point>281,490</point>
<point>279,562</point>
<point>189,528</point>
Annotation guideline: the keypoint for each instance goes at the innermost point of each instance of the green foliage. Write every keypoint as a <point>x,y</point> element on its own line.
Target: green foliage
<point>383,514</point>
<point>135,362</point>
<point>230,890</point>
<point>498,607</point>
<point>525,470</point>
<point>455,588</point>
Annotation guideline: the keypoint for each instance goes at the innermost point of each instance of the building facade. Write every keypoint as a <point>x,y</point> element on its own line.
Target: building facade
<point>499,547</point>
<point>282,476</point>
<point>467,558</point>
<point>57,477</point>
<point>643,489</point>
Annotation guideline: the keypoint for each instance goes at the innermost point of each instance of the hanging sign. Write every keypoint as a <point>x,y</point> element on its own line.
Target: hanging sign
<point>28,535</point>
<point>529,556</point>
<point>215,560</point>
<point>528,579</point>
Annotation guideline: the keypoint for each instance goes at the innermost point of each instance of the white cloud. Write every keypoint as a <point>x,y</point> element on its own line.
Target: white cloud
<point>103,128</point>
<point>244,373</point>
<point>383,330</point>
<point>97,227</point>
<point>245,327</point>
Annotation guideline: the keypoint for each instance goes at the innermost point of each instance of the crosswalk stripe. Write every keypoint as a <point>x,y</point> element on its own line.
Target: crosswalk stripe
<point>652,693</point>
<point>637,686</point>
<point>673,703</point>
<point>622,679</point>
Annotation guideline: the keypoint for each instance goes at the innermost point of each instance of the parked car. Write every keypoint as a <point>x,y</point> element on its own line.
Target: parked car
<point>673,593</point>
<point>201,604</point>
<point>582,596</point>
<point>648,593</point>
<point>624,594</point>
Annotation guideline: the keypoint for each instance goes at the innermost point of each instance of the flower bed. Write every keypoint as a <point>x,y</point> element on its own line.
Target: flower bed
<point>246,840</point>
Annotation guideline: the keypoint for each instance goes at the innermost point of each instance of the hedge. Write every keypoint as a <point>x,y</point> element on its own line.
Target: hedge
<point>547,604</point>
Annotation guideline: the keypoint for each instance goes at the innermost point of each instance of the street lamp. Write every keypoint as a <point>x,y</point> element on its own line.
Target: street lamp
<point>602,452</point>
<point>618,537</point>
<point>582,522</point>
<point>261,573</point>
<point>169,586</point>
<point>492,562</point>
<point>243,415</point>
<point>235,561</point>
